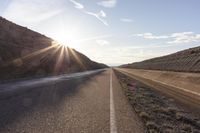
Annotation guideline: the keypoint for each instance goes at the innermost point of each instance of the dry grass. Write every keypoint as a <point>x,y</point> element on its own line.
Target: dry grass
<point>144,116</point>
<point>159,113</point>
<point>152,125</point>
<point>186,128</point>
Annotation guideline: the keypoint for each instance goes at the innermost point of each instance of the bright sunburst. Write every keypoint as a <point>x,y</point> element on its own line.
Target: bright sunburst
<point>67,37</point>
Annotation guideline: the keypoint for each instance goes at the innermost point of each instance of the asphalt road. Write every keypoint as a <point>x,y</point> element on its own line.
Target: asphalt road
<point>90,102</point>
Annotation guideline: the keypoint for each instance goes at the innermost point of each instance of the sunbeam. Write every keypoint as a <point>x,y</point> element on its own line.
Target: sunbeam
<point>59,60</point>
<point>19,61</point>
<point>77,59</point>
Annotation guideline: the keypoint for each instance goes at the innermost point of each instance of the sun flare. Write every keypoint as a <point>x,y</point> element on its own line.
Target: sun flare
<point>61,40</point>
<point>68,37</point>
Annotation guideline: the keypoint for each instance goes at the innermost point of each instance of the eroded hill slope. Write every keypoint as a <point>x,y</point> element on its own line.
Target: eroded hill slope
<point>25,53</point>
<point>186,61</point>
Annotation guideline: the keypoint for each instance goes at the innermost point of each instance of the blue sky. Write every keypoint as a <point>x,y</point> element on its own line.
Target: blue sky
<point>112,31</point>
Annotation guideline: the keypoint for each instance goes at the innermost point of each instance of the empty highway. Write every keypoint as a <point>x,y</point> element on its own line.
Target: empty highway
<point>85,102</point>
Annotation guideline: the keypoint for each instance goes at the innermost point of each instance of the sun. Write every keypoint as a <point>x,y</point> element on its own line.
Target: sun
<point>65,40</point>
<point>68,38</point>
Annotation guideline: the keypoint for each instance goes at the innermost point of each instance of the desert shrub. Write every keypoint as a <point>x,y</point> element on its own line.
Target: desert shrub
<point>152,125</point>
<point>144,116</point>
<point>186,128</point>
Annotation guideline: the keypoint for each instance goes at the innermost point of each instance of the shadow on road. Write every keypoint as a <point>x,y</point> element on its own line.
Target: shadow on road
<point>14,107</point>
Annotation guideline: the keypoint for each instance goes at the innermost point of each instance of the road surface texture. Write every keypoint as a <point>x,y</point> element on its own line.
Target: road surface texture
<point>182,86</point>
<point>87,103</point>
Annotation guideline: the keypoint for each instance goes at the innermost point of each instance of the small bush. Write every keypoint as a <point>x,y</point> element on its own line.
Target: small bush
<point>144,116</point>
<point>180,116</point>
<point>153,131</point>
<point>152,125</point>
<point>187,128</point>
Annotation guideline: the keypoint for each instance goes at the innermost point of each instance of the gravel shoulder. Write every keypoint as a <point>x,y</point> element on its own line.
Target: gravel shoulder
<point>182,86</point>
<point>159,112</point>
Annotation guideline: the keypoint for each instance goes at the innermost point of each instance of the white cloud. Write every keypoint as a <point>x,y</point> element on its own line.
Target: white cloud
<point>95,38</point>
<point>185,37</point>
<point>127,20</point>
<point>150,36</point>
<point>102,42</point>
<point>100,15</point>
<point>77,5</point>
<point>108,3</point>
<point>25,12</point>
<point>180,37</point>
<point>125,54</point>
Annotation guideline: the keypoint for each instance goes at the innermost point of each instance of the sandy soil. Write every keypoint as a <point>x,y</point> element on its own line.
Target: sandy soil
<point>159,112</point>
<point>182,86</point>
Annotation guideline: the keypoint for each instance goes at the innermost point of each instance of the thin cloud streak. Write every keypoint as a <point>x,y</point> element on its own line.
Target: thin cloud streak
<point>185,37</point>
<point>180,37</point>
<point>127,20</point>
<point>100,15</point>
<point>153,46</point>
<point>102,42</point>
<point>17,10</point>
<point>94,38</point>
<point>77,5</point>
<point>150,36</point>
<point>108,3</point>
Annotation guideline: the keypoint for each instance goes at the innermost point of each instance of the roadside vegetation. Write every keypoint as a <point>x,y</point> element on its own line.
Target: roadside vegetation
<point>160,114</point>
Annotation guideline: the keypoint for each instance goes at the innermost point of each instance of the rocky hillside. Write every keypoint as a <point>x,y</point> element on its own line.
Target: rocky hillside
<point>25,53</point>
<point>187,61</point>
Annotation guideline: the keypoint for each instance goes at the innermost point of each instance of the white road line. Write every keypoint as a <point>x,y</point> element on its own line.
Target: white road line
<point>113,127</point>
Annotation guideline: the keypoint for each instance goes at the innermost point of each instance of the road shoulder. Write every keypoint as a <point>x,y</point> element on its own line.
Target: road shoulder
<point>126,117</point>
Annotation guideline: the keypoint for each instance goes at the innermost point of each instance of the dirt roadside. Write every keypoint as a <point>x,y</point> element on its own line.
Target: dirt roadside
<point>182,86</point>
<point>160,113</point>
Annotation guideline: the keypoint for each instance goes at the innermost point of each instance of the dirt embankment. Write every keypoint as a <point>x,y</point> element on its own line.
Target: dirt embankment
<point>183,86</point>
<point>160,113</point>
<point>186,61</point>
<point>26,53</point>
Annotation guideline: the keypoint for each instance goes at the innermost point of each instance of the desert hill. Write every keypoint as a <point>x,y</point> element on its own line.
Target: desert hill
<point>26,53</point>
<point>186,61</point>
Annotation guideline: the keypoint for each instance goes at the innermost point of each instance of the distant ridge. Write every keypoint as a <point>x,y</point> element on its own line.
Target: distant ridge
<point>186,61</point>
<point>26,53</point>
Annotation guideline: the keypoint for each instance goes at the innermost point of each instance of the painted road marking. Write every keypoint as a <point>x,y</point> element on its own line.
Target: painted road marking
<point>113,127</point>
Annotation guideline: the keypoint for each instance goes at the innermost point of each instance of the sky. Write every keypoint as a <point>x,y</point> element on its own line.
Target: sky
<point>113,32</point>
